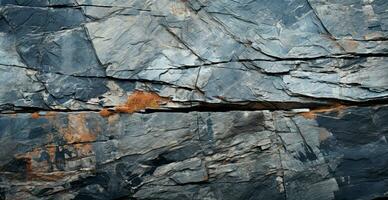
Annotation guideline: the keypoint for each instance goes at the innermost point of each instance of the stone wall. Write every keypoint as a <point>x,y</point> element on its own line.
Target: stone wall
<point>193,99</point>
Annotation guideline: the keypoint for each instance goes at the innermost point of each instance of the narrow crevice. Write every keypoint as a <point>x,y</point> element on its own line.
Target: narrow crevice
<point>196,106</point>
<point>279,59</point>
<point>10,109</point>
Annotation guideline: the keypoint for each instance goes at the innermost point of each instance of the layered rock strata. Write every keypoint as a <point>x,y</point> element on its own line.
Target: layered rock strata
<point>193,99</point>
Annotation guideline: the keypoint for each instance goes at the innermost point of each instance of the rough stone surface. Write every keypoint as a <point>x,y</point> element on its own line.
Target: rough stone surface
<point>193,99</point>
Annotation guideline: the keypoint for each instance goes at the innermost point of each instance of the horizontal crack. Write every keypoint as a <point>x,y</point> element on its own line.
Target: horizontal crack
<point>222,107</point>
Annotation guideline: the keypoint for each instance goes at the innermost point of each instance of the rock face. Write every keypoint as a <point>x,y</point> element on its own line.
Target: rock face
<point>193,99</point>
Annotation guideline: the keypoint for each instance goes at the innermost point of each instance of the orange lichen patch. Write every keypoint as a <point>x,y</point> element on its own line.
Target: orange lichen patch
<point>137,101</point>
<point>77,130</point>
<point>106,113</point>
<point>35,115</point>
<point>312,114</point>
<point>140,100</point>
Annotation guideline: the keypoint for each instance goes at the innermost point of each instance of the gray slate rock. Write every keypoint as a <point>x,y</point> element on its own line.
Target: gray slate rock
<point>233,155</point>
<point>193,99</point>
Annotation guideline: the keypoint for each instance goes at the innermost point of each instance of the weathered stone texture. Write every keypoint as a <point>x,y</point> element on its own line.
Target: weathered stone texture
<point>193,99</point>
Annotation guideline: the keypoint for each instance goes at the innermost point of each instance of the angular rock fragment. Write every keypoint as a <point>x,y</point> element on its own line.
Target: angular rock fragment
<point>137,43</point>
<point>20,88</point>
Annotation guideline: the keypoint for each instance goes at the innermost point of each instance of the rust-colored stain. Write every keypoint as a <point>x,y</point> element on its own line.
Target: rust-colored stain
<point>79,134</point>
<point>106,113</point>
<point>28,165</point>
<point>139,100</point>
<point>36,170</point>
<point>35,115</point>
<point>77,130</point>
<point>40,167</point>
<point>312,114</point>
<point>52,176</point>
<point>54,160</point>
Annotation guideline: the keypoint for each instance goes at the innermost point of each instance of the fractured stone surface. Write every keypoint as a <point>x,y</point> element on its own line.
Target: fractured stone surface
<point>215,155</point>
<point>193,99</point>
